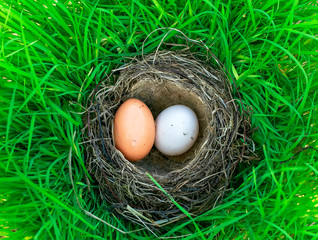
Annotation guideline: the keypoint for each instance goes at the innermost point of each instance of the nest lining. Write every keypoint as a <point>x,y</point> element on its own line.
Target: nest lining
<point>196,179</point>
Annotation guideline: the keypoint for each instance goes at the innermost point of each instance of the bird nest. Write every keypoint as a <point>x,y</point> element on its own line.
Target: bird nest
<point>158,189</point>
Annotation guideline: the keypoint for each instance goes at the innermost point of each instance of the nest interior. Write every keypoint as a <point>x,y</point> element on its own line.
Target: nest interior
<point>196,179</point>
<point>158,95</point>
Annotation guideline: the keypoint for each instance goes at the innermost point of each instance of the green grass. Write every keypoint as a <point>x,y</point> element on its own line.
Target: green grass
<point>52,52</point>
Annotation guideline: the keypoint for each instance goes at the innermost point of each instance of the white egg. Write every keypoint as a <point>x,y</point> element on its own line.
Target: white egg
<point>177,128</point>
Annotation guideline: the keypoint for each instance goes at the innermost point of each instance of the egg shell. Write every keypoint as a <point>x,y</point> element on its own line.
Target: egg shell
<point>177,128</point>
<point>134,129</point>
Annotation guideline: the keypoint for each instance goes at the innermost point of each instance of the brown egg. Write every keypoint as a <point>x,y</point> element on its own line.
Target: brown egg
<point>134,129</point>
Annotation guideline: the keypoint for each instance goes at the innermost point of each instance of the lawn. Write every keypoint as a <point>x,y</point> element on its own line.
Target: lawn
<point>53,53</point>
